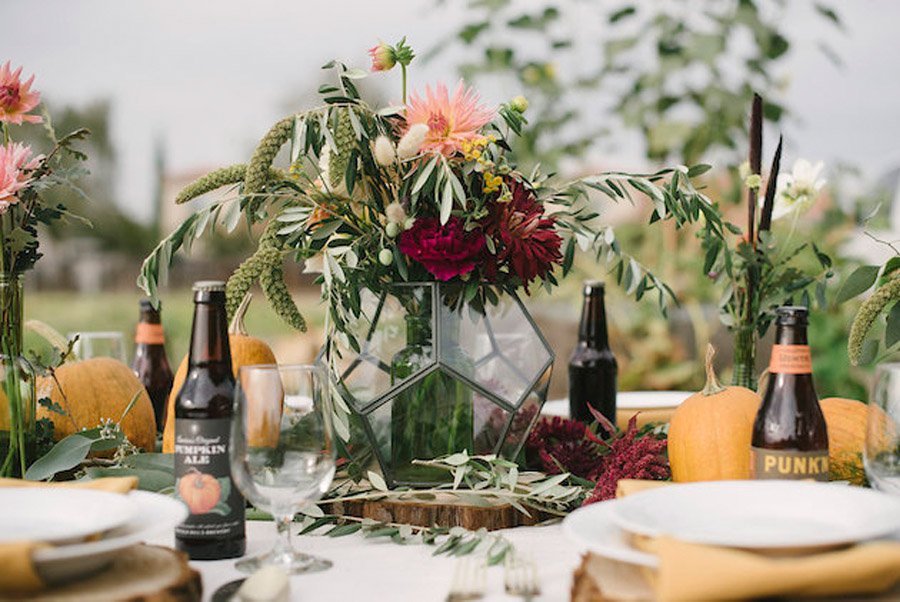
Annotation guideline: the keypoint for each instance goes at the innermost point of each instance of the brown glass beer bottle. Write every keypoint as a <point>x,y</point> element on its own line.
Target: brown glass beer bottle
<point>592,366</point>
<point>150,363</point>
<point>790,437</point>
<point>203,409</point>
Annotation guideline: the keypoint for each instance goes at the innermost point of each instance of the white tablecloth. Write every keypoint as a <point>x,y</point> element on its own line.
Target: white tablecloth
<point>366,569</point>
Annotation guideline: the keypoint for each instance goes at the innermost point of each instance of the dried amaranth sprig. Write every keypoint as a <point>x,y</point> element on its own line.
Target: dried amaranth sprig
<point>345,141</point>
<point>265,153</point>
<point>233,174</point>
<point>868,312</point>
<point>265,265</point>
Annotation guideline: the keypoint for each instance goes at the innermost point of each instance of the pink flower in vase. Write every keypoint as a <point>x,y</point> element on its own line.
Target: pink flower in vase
<point>445,251</point>
<point>16,98</point>
<point>450,121</point>
<point>14,168</point>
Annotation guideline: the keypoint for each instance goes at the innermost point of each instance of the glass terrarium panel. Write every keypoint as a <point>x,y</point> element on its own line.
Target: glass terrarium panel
<point>490,422</point>
<point>508,352</point>
<point>382,333</point>
<point>524,419</point>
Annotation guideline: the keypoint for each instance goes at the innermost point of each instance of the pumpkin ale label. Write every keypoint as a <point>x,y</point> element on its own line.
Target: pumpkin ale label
<point>203,480</point>
<point>788,464</point>
<point>790,359</point>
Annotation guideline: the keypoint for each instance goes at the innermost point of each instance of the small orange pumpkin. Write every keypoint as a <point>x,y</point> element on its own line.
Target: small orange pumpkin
<point>846,419</point>
<point>200,491</point>
<point>710,432</point>
<point>245,351</point>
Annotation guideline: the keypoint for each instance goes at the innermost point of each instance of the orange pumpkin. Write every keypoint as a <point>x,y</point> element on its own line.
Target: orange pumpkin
<point>200,491</point>
<point>846,419</point>
<point>245,351</point>
<point>710,432</point>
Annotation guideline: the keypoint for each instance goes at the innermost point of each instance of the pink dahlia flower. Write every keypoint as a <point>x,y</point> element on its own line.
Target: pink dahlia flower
<point>445,251</point>
<point>14,168</point>
<point>16,98</point>
<point>382,57</point>
<point>449,120</point>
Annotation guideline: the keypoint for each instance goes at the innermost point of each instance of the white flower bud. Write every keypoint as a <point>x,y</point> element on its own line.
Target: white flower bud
<point>384,151</point>
<point>392,229</point>
<point>412,140</point>
<point>385,257</point>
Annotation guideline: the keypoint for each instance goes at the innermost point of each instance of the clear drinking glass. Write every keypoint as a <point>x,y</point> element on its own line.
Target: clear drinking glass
<point>99,344</point>
<point>882,453</point>
<point>282,451</point>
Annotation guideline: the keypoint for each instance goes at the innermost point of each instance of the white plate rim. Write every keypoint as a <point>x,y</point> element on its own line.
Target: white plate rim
<point>135,531</point>
<point>117,510</point>
<point>627,400</point>
<point>613,546</point>
<point>822,538</point>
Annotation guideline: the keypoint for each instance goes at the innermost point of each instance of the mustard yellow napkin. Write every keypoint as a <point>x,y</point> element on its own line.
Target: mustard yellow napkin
<point>19,574</point>
<point>689,571</point>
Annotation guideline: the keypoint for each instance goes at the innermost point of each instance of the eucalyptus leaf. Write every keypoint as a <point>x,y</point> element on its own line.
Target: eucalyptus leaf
<point>65,455</point>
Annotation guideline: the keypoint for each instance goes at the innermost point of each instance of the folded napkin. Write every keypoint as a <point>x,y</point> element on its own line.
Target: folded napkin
<point>18,573</point>
<point>689,571</point>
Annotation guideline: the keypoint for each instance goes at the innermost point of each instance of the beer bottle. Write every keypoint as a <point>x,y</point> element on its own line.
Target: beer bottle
<point>203,409</point>
<point>790,438</point>
<point>150,363</point>
<point>592,365</point>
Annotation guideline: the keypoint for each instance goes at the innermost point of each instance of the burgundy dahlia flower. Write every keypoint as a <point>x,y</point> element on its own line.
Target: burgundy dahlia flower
<point>445,251</point>
<point>527,242</point>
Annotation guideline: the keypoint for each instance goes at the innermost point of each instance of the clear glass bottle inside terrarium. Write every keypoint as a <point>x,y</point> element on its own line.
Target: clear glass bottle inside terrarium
<point>433,417</point>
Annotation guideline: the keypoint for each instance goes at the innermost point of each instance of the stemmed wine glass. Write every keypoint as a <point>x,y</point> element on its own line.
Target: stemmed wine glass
<point>98,344</point>
<point>282,451</point>
<point>882,453</point>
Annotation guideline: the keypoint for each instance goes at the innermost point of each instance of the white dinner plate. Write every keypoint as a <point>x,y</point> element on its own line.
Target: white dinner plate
<point>592,528</point>
<point>760,514</point>
<point>627,400</point>
<point>60,515</point>
<point>153,513</point>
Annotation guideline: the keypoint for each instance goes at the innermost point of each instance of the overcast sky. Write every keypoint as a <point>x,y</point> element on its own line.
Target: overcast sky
<point>210,76</point>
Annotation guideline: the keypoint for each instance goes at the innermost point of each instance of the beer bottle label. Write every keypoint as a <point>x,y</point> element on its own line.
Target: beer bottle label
<point>203,480</point>
<point>790,359</point>
<point>150,334</point>
<point>788,464</point>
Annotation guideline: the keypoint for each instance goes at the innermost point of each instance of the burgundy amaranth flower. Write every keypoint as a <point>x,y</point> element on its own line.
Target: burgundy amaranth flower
<point>445,251</point>
<point>527,242</point>
<point>628,457</point>
<point>558,444</point>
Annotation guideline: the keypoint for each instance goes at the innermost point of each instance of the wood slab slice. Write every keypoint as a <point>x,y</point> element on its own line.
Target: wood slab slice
<point>446,510</point>
<point>140,573</point>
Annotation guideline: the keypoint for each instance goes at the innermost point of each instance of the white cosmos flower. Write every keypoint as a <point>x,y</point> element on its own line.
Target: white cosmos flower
<point>797,191</point>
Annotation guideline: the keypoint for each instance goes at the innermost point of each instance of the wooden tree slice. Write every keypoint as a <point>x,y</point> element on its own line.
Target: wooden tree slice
<point>140,573</point>
<point>446,510</point>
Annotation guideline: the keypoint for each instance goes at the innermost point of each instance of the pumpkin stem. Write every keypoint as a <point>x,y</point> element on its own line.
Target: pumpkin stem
<point>713,385</point>
<point>237,322</point>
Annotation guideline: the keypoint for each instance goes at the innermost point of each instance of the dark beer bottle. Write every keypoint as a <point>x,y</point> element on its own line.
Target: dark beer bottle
<point>592,365</point>
<point>150,363</point>
<point>203,409</point>
<point>790,438</point>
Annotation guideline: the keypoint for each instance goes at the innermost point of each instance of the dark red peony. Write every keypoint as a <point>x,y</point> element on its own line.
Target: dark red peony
<point>527,243</point>
<point>445,251</point>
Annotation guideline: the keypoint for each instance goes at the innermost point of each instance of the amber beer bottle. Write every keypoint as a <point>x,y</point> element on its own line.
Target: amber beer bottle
<point>592,366</point>
<point>150,363</point>
<point>203,409</point>
<point>790,438</point>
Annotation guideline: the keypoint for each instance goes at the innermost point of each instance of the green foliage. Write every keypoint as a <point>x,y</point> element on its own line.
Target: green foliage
<point>678,76</point>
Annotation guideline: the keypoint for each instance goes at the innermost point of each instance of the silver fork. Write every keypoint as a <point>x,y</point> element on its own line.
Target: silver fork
<point>469,578</point>
<point>520,578</point>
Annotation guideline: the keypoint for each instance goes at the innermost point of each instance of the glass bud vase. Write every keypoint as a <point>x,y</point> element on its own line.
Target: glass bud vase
<point>17,392</point>
<point>744,374</point>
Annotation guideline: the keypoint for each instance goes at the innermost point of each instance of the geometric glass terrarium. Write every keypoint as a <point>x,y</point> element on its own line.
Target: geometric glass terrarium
<point>425,380</point>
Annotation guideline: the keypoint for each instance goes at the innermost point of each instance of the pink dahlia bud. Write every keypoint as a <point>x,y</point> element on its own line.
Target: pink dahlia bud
<point>383,58</point>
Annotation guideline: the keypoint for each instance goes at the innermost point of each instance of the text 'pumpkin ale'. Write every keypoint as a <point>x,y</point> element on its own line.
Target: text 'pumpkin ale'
<point>790,437</point>
<point>203,409</point>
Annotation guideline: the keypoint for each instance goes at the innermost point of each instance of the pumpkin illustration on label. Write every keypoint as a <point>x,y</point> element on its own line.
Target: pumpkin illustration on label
<point>200,491</point>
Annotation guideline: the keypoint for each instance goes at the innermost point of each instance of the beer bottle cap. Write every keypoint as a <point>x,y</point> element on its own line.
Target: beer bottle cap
<point>593,285</point>
<point>209,286</point>
<point>791,315</point>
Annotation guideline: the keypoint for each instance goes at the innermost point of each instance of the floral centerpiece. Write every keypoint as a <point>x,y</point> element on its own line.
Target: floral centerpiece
<point>419,213</point>
<point>24,176</point>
